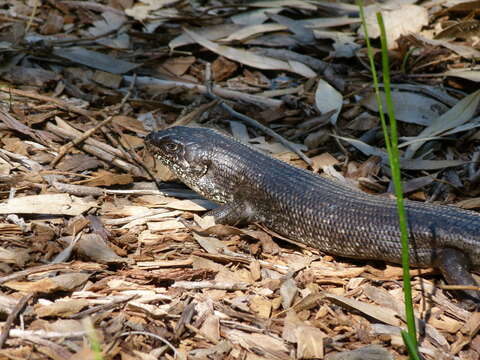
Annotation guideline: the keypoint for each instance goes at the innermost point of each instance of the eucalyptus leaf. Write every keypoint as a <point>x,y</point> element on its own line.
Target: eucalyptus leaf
<point>405,164</point>
<point>461,113</point>
<point>409,107</point>
<point>327,98</point>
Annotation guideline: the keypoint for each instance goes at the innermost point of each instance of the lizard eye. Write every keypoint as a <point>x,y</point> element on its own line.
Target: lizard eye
<point>171,146</point>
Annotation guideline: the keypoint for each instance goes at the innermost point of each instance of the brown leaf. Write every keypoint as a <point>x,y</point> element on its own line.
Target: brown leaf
<point>223,68</point>
<point>179,65</point>
<point>61,308</point>
<point>106,178</point>
<point>64,282</point>
<point>52,204</point>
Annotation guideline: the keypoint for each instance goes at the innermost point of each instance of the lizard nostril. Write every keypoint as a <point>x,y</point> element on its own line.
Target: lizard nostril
<point>150,138</point>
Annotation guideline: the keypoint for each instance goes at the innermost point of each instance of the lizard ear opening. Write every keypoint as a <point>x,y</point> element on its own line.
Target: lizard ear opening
<point>201,167</point>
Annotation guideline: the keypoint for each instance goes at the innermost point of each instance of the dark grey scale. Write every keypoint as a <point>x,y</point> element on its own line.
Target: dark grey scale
<point>314,210</point>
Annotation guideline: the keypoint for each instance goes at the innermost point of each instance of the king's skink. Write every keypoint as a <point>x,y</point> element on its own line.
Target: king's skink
<point>314,210</point>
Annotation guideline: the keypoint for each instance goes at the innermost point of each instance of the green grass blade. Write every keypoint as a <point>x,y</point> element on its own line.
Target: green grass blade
<point>92,337</point>
<point>395,166</point>
<point>410,343</point>
<point>391,143</point>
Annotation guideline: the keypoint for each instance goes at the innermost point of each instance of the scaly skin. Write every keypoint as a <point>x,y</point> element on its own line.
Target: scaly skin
<point>314,210</point>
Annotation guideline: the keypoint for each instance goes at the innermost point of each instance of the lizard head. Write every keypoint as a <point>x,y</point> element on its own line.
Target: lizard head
<point>201,158</point>
<point>181,149</point>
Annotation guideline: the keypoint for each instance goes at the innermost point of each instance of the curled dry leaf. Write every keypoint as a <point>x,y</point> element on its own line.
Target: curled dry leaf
<point>93,247</point>
<point>466,51</point>
<point>146,8</point>
<point>271,347</point>
<point>327,98</point>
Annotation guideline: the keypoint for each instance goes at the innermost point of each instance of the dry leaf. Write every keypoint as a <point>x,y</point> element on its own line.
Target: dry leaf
<point>409,107</point>
<point>64,282</point>
<point>61,308</point>
<point>380,313</point>
<point>403,20</point>
<point>370,352</point>
<point>327,98</point>
<point>48,204</point>
<point>252,59</point>
<point>456,116</point>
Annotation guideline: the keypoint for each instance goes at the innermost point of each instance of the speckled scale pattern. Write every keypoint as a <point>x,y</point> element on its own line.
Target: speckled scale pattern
<point>311,209</point>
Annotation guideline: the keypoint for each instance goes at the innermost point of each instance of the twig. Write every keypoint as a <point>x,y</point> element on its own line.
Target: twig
<point>83,190</point>
<point>266,130</point>
<point>67,147</point>
<point>60,103</point>
<point>29,24</point>
<point>145,81</point>
<point>63,129</point>
<point>155,336</point>
<point>210,285</point>
<point>57,351</point>
<point>195,114</point>
<point>460,287</point>
<point>83,137</point>
<point>100,153</point>
<point>11,318</point>
<point>127,152</point>
<point>25,334</point>
<point>87,39</point>
<point>104,307</point>
<point>51,267</point>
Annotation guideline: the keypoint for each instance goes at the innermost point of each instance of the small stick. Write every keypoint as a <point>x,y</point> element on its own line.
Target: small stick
<point>218,285</point>
<point>67,147</point>
<point>103,307</point>
<point>460,287</point>
<point>165,85</point>
<point>11,318</point>
<point>155,336</point>
<point>48,99</point>
<point>50,267</point>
